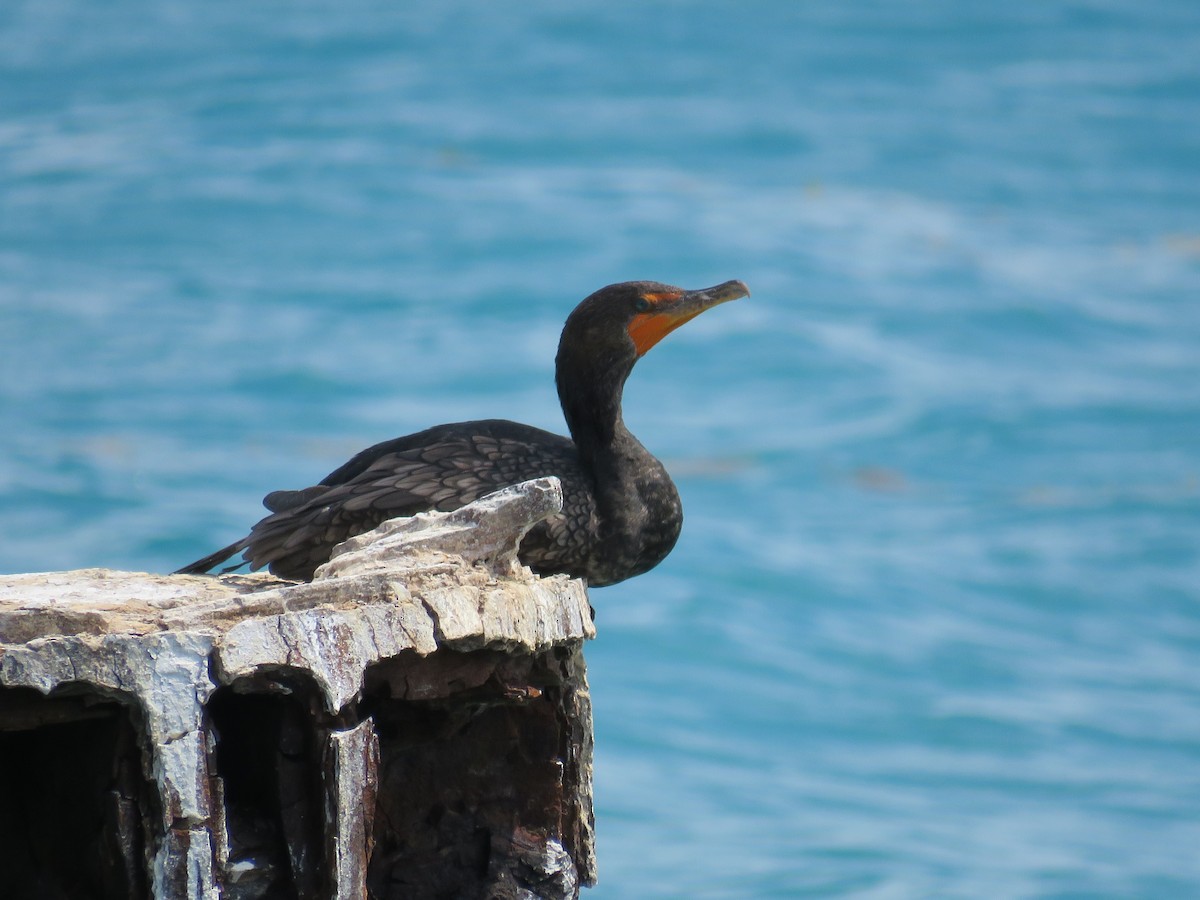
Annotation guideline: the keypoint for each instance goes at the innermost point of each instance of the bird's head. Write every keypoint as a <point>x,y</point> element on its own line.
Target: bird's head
<point>620,323</point>
<point>610,331</point>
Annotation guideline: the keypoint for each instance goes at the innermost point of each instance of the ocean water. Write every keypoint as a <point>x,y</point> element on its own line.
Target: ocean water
<point>933,626</point>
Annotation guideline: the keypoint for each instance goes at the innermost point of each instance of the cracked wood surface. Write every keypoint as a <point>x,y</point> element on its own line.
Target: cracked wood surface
<point>414,596</point>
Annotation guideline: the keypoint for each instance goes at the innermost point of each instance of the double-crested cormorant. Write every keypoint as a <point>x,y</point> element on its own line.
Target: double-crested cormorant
<point>621,512</point>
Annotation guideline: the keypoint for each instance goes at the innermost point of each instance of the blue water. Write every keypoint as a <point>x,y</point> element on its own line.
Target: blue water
<point>933,627</point>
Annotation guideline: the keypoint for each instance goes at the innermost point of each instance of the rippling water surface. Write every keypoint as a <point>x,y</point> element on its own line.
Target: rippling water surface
<point>933,625</point>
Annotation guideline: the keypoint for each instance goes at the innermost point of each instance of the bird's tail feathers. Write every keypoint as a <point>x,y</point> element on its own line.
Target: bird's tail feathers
<point>202,566</point>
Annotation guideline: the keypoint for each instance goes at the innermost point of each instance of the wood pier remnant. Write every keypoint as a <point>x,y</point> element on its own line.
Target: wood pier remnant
<point>415,722</point>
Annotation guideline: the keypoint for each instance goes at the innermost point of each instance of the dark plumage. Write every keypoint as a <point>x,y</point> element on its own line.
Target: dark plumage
<point>621,513</point>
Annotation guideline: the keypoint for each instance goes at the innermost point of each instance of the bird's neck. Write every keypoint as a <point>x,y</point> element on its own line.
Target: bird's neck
<point>591,403</point>
<point>637,508</point>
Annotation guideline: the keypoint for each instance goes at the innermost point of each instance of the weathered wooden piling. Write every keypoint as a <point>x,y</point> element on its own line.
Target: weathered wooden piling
<point>413,723</point>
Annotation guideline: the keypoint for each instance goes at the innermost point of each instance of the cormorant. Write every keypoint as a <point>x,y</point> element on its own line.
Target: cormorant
<point>621,512</point>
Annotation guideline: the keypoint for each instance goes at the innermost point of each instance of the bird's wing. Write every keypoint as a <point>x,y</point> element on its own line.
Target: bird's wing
<point>450,472</point>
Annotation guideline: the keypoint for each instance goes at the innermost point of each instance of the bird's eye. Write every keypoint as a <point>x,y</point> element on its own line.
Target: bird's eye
<point>642,305</point>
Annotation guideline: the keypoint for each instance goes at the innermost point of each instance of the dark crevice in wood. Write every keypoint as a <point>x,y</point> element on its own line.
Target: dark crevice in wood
<point>268,757</point>
<point>74,800</point>
<point>471,775</point>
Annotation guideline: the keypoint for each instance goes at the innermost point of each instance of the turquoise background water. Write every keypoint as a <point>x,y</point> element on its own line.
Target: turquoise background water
<point>932,628</point>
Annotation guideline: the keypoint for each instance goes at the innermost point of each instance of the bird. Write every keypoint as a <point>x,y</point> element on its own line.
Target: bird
<point>621,512</point>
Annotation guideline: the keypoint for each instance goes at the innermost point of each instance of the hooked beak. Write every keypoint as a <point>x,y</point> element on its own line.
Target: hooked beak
<point>670,309</point>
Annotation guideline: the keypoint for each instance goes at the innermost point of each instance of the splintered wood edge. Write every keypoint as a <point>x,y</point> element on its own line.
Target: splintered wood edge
<point>167,642</point>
